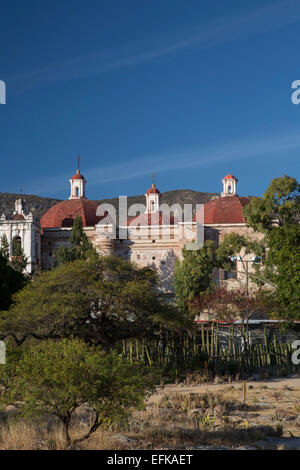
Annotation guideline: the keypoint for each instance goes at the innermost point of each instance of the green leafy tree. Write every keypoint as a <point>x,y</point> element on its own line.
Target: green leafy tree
<point>280,205</point>
<point>194,275</point>
<point>102,300</point>
<point>4,247</point>
<point>18,260</point>
<point>277,215</point>
<point>282,267</point>
<point>234,244</point>
<point>58,377</point>
<point>79,248</point>
<point>11,281</point>
<point>78,237</point>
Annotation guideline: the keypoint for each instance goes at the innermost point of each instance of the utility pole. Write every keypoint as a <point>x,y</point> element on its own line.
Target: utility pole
<point>254,260</point>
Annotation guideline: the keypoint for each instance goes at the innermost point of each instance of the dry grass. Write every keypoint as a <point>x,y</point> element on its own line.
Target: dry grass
<point>176,438</point>
<point>189,420</point>
<point>175,418</point>
<point>21,435</point>
<point>215,402</point>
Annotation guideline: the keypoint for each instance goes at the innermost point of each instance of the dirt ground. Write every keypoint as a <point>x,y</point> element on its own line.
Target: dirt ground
<point>275,383</point>
<point>267,403</point>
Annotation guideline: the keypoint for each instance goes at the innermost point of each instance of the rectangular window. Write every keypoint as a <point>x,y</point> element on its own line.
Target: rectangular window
<point>229,275</point>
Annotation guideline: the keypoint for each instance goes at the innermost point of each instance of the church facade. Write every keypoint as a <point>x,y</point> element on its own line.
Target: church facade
<point>24,230</point>
<point>153,235</point>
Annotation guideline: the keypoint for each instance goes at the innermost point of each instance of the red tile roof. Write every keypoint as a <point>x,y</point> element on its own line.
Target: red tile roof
<point>229,177</point>
<point>77,176</point>
<point>153,190</point>
<point>64,213</point>
<point>223,210</point>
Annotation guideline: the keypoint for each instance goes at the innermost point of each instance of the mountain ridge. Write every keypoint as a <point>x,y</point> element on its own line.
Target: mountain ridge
<point>38,205</point>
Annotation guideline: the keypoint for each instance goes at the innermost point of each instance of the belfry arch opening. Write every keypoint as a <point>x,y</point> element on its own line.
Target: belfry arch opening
<point>17,246</point>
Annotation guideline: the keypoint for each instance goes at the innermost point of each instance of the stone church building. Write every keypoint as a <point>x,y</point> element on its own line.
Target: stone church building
<point>153,235</point>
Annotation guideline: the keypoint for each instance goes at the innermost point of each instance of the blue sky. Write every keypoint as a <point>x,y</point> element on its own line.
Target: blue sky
<point>190,90</point>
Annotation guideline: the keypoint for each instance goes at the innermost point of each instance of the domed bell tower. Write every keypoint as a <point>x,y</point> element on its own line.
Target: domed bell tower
<point>78,183</point>
<point>152,199</point>
<point>229,186</point>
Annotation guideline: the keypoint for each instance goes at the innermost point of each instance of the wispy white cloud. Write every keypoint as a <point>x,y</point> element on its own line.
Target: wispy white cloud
<point>257,21</point>
<point>242,149</point>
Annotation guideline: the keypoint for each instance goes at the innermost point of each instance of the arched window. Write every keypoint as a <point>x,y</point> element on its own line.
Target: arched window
<point>76,191</point>
<point>17,246</point>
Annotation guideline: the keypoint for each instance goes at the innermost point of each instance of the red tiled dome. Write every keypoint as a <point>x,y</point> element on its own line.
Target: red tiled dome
<point>229,177</point>
<point>223,210</point>
<point>153,190</point>
<point>64,213</point>
<point>77,176</point>
<point>152,218</point>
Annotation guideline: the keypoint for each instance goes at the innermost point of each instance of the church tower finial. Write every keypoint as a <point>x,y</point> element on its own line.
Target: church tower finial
<point>19,207</point>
